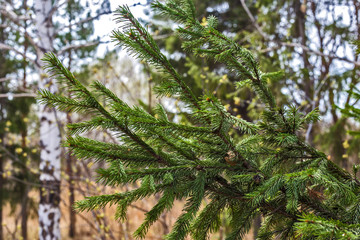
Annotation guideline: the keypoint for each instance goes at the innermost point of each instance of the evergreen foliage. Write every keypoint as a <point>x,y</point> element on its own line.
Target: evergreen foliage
<point>271,171</point>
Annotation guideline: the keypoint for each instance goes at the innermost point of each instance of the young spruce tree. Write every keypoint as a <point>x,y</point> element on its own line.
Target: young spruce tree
<point>271,172</point>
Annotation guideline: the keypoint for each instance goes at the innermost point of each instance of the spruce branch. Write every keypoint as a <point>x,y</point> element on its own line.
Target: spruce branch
<point>58,70</point>
<point>271,171</point>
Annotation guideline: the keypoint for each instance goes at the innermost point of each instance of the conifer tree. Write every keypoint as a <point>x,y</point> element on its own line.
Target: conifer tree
<point>270,172</point>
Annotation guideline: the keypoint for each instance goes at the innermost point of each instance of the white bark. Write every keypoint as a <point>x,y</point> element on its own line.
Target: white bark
<point>49,211</point>
<point>42,42</point>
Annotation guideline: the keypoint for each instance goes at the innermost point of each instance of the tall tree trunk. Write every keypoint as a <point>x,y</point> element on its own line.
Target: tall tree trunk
<point>69,157</point>
<point>69,171</point>
<point>24,213</point>
<point>49,211</point>
<point>2,104</point>
<point>256,226</point>
<point>25,197</point>
<point>25,200</point>
<point>1,196</point>
<point>307,82</point>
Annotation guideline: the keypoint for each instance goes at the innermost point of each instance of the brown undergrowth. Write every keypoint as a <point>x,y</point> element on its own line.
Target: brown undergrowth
<point>99,224</point>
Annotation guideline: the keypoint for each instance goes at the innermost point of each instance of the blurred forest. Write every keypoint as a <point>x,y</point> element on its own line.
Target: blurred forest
<point>311,41</point>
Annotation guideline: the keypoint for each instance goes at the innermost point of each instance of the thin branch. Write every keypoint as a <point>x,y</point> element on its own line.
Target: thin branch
<point>33,43</point>
<point>76,46</point>
<point>163,36</point>
<point>18,28</point>
<point>253,20</point>
<point>5,10</point>
<point>89,19</point>
<point>8,47</point>
<point>307,49</point>
<point>5,79</point>
<point>17,95</point>
<point>13,157</point>
<point>287,44</point>
<point>56,7</point>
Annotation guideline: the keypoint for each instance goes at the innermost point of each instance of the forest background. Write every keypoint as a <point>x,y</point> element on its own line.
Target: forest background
<point>311,41</point>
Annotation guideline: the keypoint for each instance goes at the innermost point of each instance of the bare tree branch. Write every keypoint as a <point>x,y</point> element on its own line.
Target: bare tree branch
<point>56,7</point>
<point>4,79</point>
<point>8,47</point>
<point>76,46</point>
<point>3,149</point>
<point>17,95</point>
<point>253,20</point>
<point>5,10</point>
<point>32,42</point>
<point>17,26</point>
<point>163,36</point>
<point>305,48</point>
<point>86,20</point>
<point>287,44</point>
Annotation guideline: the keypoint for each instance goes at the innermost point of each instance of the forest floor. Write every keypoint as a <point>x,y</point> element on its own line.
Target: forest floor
<point>98,224</point>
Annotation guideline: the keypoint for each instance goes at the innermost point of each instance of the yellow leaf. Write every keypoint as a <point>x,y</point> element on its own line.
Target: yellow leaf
<point>224,79</point>
<point>204,22</point>
<point>18,150</point>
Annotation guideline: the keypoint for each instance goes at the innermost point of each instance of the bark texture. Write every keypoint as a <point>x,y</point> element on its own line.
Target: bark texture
<point>49,211</point>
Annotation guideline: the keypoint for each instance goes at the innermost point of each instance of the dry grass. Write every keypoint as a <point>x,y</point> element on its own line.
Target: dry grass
<point>99,225</point>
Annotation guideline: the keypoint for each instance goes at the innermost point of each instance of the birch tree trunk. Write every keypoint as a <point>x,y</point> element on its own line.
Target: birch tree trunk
<point>49,211</point>
<point>2,104</point>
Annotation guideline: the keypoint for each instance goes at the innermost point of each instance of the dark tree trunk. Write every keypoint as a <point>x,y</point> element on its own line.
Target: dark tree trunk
<point>1,195</point>
<point>69,172</point>
<point>2,103</point>
<point>256,225</point>
<point>24,213</point>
